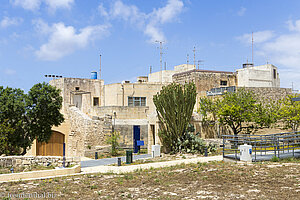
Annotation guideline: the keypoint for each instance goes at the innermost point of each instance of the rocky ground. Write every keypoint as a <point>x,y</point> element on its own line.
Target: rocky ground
<point>215,180</point>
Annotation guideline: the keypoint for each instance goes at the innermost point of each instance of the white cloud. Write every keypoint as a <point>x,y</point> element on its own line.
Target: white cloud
<point>258,37</point>
<point>6,21</point>
<point>294,26</point>
<point>35,4</point>
<point>41,27</point>
<point>149,23</point>
<point>102,10</point>
<point>242,11</point>
<point>283,51</point>
<point>64,40</point>
<point>27,4</point>
<point>160,16</point>
<point>55,4</point>
<point>127,13</point>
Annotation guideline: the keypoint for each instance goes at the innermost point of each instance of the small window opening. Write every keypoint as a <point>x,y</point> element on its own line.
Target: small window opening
<point>274,73</point>
<point>96,101</point>
<point>77,88</point>
<point>223,83</point>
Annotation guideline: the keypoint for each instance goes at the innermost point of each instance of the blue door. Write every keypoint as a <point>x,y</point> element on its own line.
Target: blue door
<point>136,137</point>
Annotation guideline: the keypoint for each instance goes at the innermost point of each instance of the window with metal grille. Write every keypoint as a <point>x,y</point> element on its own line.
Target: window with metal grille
<point>136,101</point>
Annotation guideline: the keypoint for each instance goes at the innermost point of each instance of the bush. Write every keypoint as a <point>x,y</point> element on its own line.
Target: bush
<point>275,159</point>
<point>113,140</point>
<point>192,143</point>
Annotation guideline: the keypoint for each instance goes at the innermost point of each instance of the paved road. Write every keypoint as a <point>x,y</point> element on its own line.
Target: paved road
<point>109,161</point>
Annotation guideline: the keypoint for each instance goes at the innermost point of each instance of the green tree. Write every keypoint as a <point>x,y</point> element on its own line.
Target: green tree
<point>5,132</point>
<point>208,109</point>
<point>174,106</point>
<point>12,113</point>
<point>239,110</point>
<point>290,112</point>
<point>31,116</point>
<point>43,104</point>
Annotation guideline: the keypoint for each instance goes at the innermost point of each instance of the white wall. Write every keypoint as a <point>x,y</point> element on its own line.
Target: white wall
<point>258,76</point>
<point>167,74</point>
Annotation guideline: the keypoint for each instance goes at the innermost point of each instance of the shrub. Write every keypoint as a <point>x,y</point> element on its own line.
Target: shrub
<point>275,159</point>
<point>113,140</point>
<point>193,143</point>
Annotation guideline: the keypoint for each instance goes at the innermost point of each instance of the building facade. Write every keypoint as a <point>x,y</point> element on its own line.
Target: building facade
<point>92,110</point>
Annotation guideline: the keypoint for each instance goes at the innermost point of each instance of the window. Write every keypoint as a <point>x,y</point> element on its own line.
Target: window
<point>274,73</point>
<point>223,83</point>
<point>96,101</point>
<point>136,101</point>
<point>77,88</point>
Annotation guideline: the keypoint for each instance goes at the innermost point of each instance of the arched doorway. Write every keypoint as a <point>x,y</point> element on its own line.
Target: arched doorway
<point>54,147</point>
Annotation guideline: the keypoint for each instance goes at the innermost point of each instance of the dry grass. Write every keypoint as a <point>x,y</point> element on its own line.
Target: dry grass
<point>215,180</point>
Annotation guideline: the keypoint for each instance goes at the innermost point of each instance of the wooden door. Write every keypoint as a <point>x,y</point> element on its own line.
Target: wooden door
<point>53,148</point>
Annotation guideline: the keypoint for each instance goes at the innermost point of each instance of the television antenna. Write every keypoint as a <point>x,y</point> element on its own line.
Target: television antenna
<point>161,53</point>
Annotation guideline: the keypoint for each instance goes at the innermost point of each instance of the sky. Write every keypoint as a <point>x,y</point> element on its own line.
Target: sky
<point>66,37</point>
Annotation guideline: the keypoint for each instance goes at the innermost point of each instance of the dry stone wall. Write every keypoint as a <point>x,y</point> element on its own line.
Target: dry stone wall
<point>26,161</point>
<point>86,132</point>
<point>271,93</point>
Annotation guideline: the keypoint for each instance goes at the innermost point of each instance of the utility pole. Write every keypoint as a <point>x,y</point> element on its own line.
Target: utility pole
<point>100,99</point>
<point>194,57</point>
<point>187,59</point>
<point>252,49</point>
<point>100,68</point>
<point>161,53</point>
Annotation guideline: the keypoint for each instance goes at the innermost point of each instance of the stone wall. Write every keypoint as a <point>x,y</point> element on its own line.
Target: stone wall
<point>270,92</point>
<point>205,80</point>
<point>122,112</point>
<point>126,132</point>
<point>86,133</point>
<point>26,161</point>
<point>86,88</point>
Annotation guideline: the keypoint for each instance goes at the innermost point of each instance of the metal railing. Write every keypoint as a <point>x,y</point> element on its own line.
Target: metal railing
<point>264,147</point>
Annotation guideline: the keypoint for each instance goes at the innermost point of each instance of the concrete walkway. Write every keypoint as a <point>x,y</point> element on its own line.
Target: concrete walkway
<point>132,168</point>
<point>109,161</point>
<point>126,169</point>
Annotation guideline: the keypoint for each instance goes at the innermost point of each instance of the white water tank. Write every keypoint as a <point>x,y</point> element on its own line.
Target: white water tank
<point>245,153</point>
<point>155,150</point>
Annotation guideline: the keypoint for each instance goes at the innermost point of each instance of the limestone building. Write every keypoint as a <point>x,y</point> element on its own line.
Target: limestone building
<point>92,110</point>
<point>258,76</point>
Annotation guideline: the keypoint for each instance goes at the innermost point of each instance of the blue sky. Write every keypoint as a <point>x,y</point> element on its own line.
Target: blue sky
<point>65,37</point>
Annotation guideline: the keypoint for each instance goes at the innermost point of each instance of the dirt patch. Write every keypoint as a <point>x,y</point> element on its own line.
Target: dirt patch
<point>216,180</point>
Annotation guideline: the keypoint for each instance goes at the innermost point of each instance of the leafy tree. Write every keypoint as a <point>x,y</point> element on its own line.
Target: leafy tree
<point>290,112</point>
<point>31,116</point>
<point>174,106</point>
<point>12,113</point>
<point>5,132</point>
<point>239,110</point>
<point>208,109</point>
<point>43,104</point>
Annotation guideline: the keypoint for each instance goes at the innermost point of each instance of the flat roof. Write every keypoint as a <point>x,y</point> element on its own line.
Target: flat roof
<point>201,70</point>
